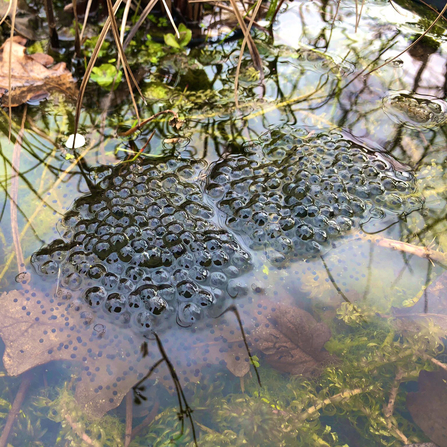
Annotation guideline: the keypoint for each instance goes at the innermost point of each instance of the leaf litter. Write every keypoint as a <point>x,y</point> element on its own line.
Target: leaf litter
<point>31,75</point>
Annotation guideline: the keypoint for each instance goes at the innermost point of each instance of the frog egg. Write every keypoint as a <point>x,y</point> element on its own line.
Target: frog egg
<point>95,296</point>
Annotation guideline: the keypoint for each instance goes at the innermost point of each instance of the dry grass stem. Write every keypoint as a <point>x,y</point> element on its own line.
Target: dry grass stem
<point>87,12</point>
<point>256,58</point>
<point>168,12</point>
<point>13,20</point>
<point>60,179</point>
<point>147,120</point>
<point>9,10</point>
<point>90,66</point>
<point>15,175</point>
<point>127,71</point>
<point>241,54</point>
<point>444,9</point>
<point>247,19</point>
<point>137,25</point>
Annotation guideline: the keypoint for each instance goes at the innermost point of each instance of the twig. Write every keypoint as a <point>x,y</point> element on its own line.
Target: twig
<point>389,409</point>
<point>143,123</point>
<point>15,166</point>
<point>345,395</point>
<point>422,252</point>
<point>147,421</point>
<point>129,403</point>
<point>438,363</point>
<point>15,408</point>
<point>78,430</point>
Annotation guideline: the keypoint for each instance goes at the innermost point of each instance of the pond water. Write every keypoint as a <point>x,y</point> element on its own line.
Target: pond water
<point>266,273</point>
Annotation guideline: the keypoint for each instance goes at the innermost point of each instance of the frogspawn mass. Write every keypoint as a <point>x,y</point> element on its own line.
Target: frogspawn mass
<point>144,253</point>
<point>144,245</point>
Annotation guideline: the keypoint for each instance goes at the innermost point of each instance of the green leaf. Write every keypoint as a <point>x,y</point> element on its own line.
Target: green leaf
<point>185,38</point>
<point>171,40</point>
<point>185,35</point>
<point>105,74</point>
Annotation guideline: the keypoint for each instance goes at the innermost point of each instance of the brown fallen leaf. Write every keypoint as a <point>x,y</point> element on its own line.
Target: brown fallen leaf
<point>25,16</point>
<point>291,339</point>
<point>428,406</point>
<point>30,76</point>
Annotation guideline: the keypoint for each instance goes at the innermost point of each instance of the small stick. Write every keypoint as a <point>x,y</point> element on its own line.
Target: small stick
<point>129,403</point>
<point>147,421</point>
<point>78,430</point>
<point>438,363</point>
<point>15,408</point>
<point>340,397</point>
<point>389,409</point>
<point>139,126</point>
<point>422,252</point>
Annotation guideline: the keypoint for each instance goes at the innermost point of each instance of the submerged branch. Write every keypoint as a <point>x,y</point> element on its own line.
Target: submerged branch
<point>344,395</point>
<point>420,251</point>
<point>15,408</point>
<point>129,417</point>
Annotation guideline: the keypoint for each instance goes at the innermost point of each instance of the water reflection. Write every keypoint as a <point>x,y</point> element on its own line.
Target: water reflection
<point>309,317</point>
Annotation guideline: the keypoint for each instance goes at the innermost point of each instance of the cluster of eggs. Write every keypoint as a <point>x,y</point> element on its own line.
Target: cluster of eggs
<point>142,246</point>
<point>291,193</point>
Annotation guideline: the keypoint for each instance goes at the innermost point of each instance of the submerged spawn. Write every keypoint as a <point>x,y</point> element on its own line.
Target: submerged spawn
<point>144,244</point>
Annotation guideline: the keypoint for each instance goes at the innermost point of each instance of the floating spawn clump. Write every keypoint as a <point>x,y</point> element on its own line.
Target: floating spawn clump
<point>142,247</point>
<point>291,192</point>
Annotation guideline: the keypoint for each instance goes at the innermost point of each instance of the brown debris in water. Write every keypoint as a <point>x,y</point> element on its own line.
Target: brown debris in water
<point>30,75</point>
<point>428,406</point>
<point>290,338</point>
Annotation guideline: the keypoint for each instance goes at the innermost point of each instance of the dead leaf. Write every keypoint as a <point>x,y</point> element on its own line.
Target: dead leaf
<point>291,339</point>
<point>24,18</point>
<point>428,406</point>
<point>29,74</point>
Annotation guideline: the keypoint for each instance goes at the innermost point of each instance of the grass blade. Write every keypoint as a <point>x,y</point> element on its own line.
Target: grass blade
<point>137,25</point>
<point>241,55</point>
